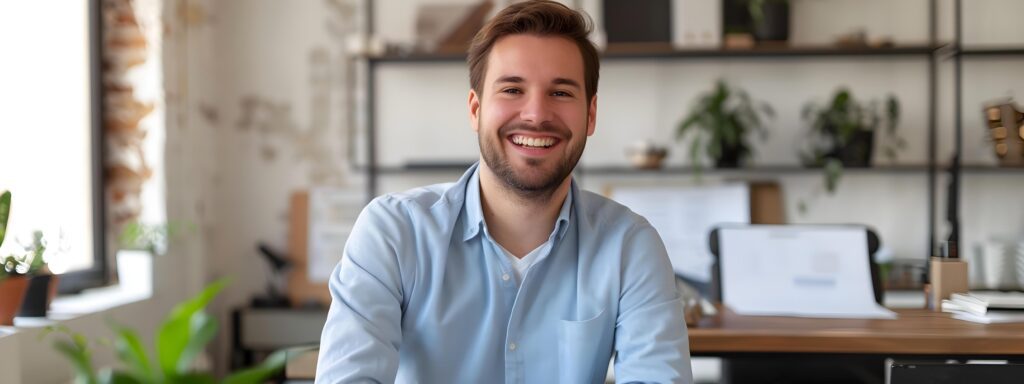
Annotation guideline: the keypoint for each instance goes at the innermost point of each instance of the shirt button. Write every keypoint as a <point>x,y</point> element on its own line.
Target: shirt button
<point>512,346</point>
<point>506,277</point>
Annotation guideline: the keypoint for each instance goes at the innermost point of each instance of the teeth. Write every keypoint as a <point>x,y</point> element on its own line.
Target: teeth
<point>533,142</point>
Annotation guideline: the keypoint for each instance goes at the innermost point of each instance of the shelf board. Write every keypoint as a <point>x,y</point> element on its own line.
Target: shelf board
<point>992,51</point>
<point>625,170</point>
<point>648,52</point>
<point>622,53</point>
<point>749,171</point>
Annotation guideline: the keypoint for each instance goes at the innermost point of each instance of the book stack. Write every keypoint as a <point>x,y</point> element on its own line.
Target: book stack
<point>986,307</point>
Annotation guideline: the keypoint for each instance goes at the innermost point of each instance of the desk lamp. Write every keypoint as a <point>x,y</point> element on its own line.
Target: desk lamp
<point>274,298</point>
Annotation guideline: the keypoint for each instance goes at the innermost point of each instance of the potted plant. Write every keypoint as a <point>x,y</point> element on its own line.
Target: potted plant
<point>769,19</point>
<point>12,280</point>
<point>42,283</point>
<point>720,122</point>
<point>842,133</point>
<point>178,341</point>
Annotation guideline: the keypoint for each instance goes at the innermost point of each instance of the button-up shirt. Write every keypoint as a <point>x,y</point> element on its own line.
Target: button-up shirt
<point>424,294</point>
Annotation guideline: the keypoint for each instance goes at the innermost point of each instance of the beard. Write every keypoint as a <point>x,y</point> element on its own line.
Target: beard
<point>538,179</point>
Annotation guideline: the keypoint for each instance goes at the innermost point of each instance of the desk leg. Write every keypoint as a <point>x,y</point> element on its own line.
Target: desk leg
<point>240,356</point>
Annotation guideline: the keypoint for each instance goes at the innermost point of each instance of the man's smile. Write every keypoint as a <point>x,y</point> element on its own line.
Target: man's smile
<point>533,145</point>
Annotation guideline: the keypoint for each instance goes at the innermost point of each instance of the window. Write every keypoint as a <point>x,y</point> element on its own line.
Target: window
<point>51,134</point>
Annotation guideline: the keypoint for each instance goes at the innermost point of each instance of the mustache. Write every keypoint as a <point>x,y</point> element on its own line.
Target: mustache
<point>547,128</point>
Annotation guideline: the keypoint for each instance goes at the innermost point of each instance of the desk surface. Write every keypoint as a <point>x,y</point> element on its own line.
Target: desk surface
<point>915,332</point>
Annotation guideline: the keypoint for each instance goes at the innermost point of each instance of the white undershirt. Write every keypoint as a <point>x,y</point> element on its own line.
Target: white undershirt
<point>520,265</point>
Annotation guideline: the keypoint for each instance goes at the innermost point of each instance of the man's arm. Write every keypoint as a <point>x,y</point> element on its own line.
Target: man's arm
<point>363,331</point>
<point>650,332</point>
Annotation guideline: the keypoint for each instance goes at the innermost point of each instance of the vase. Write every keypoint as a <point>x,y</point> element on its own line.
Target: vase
<point>12,292</point>
<point>38,295</point>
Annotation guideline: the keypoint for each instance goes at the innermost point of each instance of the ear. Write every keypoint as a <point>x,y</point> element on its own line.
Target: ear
<point>592,116</point>
<point>474,110</point>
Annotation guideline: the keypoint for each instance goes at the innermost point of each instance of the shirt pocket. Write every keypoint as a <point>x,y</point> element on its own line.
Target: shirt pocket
<point>584,349</point>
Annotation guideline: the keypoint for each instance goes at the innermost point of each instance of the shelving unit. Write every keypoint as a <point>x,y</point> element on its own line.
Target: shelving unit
<point>931,53</point>
<point>624,53</point>
<point>754,171</point>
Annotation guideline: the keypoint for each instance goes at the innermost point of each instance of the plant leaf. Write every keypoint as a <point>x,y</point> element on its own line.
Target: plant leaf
<point>202,331</point>
<point>80,360</point>
<point>269,367</point>
<point>173,336</point>
<point>192,378</point>
<point>695,154</point>
<point>132,353</point>
<point>833,171</point>
<point>109,376</point>
<point>5,212</point>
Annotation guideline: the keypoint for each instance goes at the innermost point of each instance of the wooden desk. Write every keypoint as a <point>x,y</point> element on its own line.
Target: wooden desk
<point>916,332</point>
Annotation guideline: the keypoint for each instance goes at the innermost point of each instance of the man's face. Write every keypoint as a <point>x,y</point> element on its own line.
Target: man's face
<point>532,114</point>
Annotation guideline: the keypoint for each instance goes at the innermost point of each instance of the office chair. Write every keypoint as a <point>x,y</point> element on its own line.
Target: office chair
<point>805,369</point>
<point>945,372</point>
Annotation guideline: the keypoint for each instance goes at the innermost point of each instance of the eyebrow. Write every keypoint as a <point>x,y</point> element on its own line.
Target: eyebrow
<point>557,80</point>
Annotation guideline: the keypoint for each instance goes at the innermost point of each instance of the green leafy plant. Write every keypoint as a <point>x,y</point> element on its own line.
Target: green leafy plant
<point>30,262</point>
<point>152,238</point>
<point>842,133</point>
<point>25,263</point>
<point>720,121</point>
<point>5,212</point>
<point>182,336</point>
<point>756,9</point>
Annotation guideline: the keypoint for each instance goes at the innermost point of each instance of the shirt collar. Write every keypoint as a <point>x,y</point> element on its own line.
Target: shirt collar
<point>475,214</point>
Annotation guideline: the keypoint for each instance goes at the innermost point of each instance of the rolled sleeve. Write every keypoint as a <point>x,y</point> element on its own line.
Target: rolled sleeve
<point>363,331</point>
<point>651,342</point>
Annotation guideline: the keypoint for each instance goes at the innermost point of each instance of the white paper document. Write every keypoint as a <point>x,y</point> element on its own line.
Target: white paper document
<point>332,213</point>
<point>794,270</point>
<point>684,216</point>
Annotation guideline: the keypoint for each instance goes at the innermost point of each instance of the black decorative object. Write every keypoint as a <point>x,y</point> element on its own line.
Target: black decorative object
<point>275,296</point>
<point>770,19</point>
<point>37,296</point>
<point>638,21</point>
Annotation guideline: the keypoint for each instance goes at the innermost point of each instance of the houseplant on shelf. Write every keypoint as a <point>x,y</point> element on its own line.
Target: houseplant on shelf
<point>42,283</point>
<point>179,340</point>
<point>842,133</point>
<point>769,19</point>
<point>12,280</point>
<point>720,121</point>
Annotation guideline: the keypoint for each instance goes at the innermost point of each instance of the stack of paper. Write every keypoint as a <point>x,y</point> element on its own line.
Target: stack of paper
<point>986,307</point>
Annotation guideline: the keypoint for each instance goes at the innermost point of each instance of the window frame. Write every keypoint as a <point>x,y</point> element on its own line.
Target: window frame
<point>97,275</point>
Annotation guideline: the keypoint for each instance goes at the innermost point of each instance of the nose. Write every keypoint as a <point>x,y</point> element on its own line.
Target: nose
<point>536,110</point>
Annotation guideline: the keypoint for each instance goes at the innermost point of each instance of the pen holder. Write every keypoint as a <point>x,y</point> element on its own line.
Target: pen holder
<point>948,276</point>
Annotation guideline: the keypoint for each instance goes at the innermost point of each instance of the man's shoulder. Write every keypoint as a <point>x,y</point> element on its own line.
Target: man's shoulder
<point>414,202</point>
<point>603,212</point>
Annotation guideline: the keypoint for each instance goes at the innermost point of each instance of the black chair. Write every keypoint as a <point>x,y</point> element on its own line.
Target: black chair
<point>945,372</point>
<point>802,369</point>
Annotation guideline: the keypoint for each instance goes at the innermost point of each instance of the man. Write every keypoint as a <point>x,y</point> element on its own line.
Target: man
<point>512,274</point>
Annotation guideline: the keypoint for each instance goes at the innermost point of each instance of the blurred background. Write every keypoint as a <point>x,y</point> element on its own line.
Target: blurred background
<point>194,131</point>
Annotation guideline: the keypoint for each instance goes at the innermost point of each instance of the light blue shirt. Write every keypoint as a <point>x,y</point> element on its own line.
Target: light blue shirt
<point>424,294</point>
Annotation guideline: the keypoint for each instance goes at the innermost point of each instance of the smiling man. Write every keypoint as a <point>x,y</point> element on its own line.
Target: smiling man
<point>511,274</point>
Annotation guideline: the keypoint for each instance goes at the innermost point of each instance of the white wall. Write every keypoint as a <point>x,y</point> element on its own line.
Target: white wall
<point>422,107</point>
<point>261,109</point>
<point>258,106</point>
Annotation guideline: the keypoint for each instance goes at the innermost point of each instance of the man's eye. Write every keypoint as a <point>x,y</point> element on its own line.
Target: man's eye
<point>511,91</point>
<point>561,94</point>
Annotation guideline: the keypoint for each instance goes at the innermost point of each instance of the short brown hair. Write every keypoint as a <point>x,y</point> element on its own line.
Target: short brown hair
<point>543,18</point>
